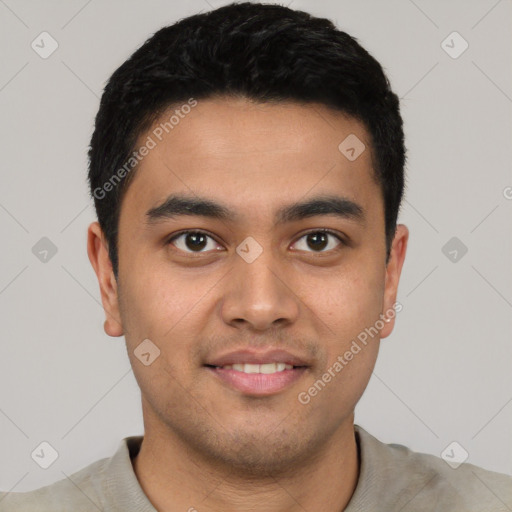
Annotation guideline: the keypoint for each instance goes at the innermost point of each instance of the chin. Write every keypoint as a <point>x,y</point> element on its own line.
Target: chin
<point>262,452</point>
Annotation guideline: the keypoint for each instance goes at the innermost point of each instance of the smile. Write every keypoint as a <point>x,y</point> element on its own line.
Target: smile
<point>266,368</point>
<point>258,379</point>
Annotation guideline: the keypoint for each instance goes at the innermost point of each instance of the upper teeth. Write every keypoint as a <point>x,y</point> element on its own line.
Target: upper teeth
<point>259,368</point>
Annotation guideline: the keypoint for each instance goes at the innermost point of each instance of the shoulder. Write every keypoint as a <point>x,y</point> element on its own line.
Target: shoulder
<point>82,491</point>
<point>420,481</point>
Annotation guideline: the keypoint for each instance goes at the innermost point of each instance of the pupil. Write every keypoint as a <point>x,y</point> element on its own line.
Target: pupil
<point>315,237</point>
<point>196,242</point>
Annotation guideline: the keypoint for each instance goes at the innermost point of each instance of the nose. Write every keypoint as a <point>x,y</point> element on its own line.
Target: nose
<point>260,294</point>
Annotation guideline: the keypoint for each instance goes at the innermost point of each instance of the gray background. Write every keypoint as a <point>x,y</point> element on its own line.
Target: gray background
<point>443,375</point>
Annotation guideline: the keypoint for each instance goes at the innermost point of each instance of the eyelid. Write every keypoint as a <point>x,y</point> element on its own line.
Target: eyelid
<point>328,231</point>
<point>187,231</point>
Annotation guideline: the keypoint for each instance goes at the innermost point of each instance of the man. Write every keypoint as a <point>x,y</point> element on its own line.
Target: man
<point>247,168</point>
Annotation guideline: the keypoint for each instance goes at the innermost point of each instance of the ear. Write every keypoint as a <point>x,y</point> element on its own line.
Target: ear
<point>97,249</point>
<point>393,271</point>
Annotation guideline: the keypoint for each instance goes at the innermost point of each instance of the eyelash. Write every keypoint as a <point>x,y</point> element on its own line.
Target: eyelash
<point>314,231</point>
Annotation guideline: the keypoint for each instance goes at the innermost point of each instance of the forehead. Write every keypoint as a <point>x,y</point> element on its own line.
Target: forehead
<point>253,157</point>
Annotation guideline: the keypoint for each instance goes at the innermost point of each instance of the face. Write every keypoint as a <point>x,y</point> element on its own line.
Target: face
<point>261,284</point>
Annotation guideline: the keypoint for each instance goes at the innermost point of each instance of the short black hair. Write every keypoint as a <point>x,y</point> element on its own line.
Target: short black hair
<point>262,52</point>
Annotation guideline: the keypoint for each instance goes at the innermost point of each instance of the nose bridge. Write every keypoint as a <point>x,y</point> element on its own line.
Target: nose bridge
<point>259,294</point>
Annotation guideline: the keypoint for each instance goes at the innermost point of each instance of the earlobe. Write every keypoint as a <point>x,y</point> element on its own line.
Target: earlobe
<point>112,327</point>
<point>97,250</point>
<point>393,272</point>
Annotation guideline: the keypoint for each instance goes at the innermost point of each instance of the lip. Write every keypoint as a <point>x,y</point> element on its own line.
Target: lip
<point>258,384</point>
<point>258,357</point>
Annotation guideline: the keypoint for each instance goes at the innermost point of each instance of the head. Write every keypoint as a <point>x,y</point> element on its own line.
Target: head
<point>233,124</point>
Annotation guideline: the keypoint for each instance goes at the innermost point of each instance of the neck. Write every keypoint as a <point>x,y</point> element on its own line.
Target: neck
<point>176,479</point>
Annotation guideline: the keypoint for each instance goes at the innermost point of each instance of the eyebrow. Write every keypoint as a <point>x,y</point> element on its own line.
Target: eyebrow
<point>179,205</point>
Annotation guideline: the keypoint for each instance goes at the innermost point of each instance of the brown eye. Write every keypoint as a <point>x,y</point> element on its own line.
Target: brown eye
<point>193,241</point>
<point>318,241</point>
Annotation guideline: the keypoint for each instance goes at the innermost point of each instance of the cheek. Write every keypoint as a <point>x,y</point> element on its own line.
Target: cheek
<point>352,343</point>
<point>351,303</point>
<point>159,307</point>
<point>167,308</point>
<point>156,303</point>
<point>350,300</point>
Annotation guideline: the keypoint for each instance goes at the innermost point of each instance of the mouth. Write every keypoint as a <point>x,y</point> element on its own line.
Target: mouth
<point>264,369</point>
<point>254,381</point>
<point>258,374</point>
